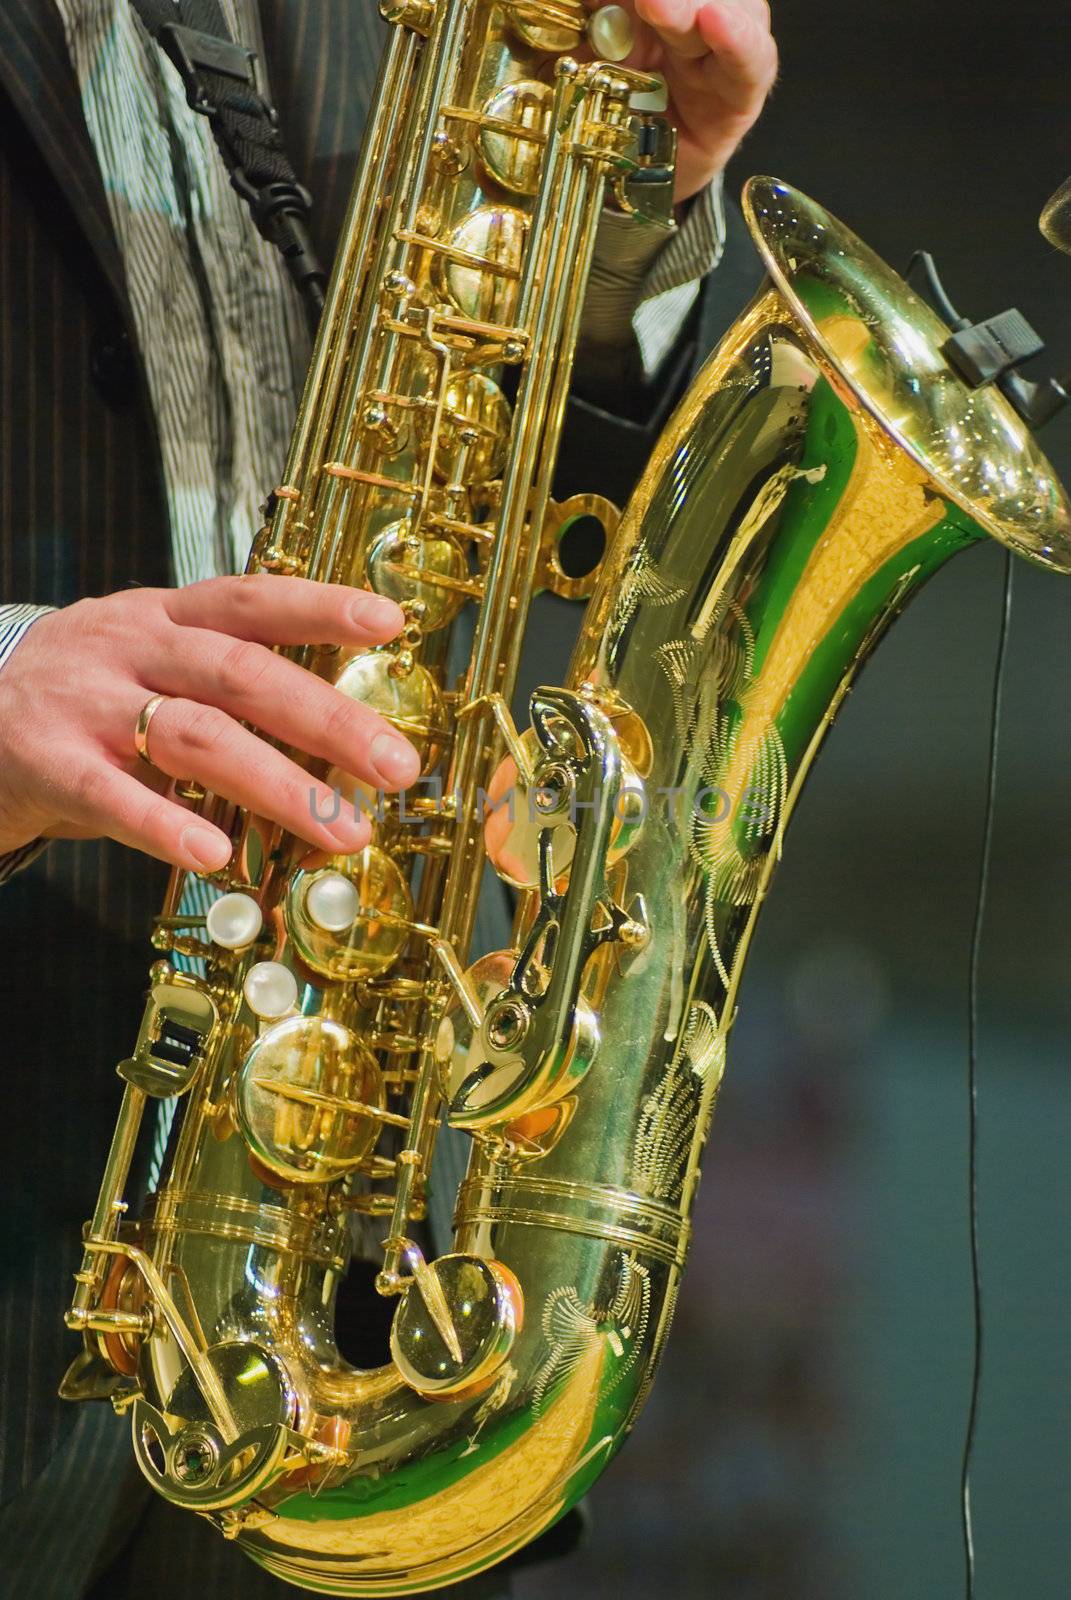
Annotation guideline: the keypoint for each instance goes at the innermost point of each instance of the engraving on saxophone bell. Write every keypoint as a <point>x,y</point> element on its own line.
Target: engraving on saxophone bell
<point>617,1321</point>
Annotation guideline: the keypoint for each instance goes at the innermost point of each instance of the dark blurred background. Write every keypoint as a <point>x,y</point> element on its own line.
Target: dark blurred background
<point>804,1438</point>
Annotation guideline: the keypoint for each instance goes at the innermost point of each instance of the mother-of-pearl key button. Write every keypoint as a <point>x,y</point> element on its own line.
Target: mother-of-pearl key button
<point>611,33</point>
<point>270,989</point>
<point>233,921</point>
<point>332,902</point>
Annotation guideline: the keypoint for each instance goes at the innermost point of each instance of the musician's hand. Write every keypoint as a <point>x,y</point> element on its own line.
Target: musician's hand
<point>719,60</point>
<point>72,690</point>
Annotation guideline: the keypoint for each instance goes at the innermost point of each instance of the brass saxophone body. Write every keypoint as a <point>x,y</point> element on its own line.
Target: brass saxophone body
<point>314,1033</point>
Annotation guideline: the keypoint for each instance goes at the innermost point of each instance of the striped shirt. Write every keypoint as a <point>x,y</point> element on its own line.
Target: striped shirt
<point>219,325</point>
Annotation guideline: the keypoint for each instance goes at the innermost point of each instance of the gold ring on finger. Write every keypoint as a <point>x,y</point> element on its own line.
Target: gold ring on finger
<point>141,731</point>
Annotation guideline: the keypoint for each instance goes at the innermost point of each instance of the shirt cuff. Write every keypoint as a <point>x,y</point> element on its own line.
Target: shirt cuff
<point>643,284</point>
<point>14,860</point>
<point>15,623</point>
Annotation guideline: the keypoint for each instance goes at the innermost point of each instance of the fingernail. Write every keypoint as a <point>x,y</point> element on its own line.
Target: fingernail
<point>394,759</point>
<point>207,848</point>
<point>377,611</point>
<point>351,831</point>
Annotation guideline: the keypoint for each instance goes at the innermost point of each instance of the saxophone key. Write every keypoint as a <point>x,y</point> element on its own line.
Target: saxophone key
<point>455,1325</point>
<point>371,942</point>
<point>404,693</point>
<point>512,133</point>
<point>485,1076</point>
<point>310,1100</point>
<point>429,569</point>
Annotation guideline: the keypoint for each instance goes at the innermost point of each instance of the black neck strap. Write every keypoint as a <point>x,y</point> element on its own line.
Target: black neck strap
<point>220,80</point>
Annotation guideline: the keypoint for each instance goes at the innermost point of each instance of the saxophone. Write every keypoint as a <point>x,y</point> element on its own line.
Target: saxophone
<point>312,1023</point>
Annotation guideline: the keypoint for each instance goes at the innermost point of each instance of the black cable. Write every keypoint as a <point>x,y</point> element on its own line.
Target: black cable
<point>972,1079</point>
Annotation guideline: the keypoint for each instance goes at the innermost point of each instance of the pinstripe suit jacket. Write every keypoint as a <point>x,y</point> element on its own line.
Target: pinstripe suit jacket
<point>81,513</point>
